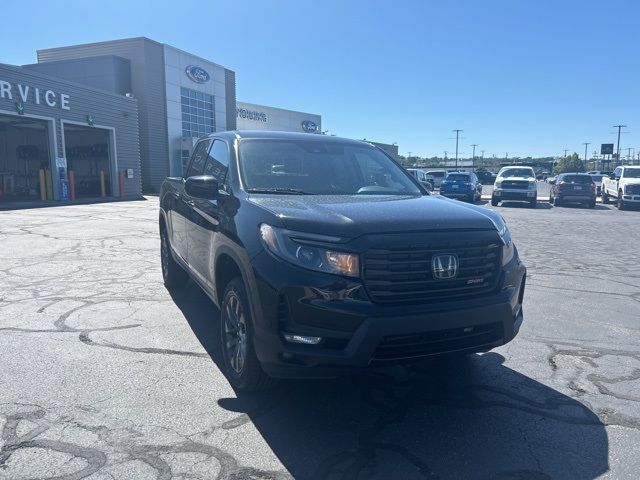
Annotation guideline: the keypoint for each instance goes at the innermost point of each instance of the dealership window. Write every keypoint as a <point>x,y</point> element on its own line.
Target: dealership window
<point>198,113</point>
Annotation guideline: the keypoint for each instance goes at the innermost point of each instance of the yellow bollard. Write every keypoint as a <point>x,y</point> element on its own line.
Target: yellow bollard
<point>49,185</point>
<point>102,188</point>
<point>43,185</point>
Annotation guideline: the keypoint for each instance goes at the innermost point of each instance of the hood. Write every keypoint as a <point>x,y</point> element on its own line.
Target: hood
<point>351,216</point>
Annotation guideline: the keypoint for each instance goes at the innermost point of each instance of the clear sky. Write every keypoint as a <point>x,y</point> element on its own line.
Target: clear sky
<point>525,77</point>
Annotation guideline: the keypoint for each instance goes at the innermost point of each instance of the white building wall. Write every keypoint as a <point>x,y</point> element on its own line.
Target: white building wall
<point>176,61</point>
<point>251,116</point>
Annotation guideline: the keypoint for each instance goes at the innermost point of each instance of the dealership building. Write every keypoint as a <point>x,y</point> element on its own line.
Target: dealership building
<point>53,130</point>
<point>250,116</point>
<point>113,119</point>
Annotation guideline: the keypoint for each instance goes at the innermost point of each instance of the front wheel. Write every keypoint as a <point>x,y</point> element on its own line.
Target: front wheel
<point>241,364</point>
<point>533,203</point>
<point>605,197</point>
<point>494,201</point>
<point>620,202</point>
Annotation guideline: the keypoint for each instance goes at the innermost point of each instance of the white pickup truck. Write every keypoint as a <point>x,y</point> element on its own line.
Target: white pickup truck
<point>623,185</point>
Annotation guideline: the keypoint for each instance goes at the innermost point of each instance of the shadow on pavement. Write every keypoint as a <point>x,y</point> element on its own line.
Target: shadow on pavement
<point>465,418</point>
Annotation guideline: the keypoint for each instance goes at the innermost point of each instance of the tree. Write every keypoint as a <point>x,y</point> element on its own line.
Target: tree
<point>569,164</point>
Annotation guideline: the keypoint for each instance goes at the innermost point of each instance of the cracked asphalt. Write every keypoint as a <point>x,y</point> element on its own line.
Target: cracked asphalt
<point>104,374</point>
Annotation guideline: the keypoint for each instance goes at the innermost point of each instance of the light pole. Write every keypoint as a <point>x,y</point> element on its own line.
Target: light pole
<point>619,127</point>
<point>457,137</point>
<point>473,157</point>
<point>586,144</point>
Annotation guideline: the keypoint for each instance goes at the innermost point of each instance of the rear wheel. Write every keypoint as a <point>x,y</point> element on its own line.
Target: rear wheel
<point>592,204</point>
<point>533,203</point>
<point>173,274</point>
<point>557,202</point>
<point>241,364</point>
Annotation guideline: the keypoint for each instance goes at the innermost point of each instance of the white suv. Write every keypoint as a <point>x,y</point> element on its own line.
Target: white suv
<point>515,183</point>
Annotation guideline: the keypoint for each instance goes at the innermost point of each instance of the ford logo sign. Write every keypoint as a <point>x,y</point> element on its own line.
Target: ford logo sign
<point>309,126</point>
<point>197,74</point>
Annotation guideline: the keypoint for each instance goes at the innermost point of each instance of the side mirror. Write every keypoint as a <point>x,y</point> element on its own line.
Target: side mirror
<point>202,186</point>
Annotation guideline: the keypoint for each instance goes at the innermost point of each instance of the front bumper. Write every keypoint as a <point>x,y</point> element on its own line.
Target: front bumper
<point>358,333</point>
<point>514,194</point>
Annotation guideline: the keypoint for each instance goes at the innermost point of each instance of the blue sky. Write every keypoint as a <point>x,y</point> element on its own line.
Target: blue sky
<point>524,77</point>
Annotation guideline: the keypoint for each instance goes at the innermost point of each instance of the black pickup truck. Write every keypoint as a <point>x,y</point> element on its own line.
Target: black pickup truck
<point>326,257</point>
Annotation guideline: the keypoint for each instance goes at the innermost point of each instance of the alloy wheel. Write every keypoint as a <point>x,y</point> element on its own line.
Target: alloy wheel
<point>235,330</point>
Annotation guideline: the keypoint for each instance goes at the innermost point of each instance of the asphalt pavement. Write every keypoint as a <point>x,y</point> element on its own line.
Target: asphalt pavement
<point>107,375</point>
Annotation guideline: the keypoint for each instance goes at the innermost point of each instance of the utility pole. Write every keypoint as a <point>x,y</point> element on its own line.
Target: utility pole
<point>565,152</point>
<point>619,127</point>
<point>473,157</point>
<point>457,137</point>
<point>586,144</point>
<point>629,153</point>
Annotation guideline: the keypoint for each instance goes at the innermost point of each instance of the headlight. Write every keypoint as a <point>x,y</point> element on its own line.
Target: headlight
<point>508,248</point>
<point>282,243</point>
<point>498,183</point>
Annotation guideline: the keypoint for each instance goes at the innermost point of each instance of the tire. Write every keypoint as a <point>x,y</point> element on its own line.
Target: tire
<point>620,201</point>
<point>592,204</point>
<point>241,365</point>
<point>605,197</point>
<point>173,274</point>
<point>533,203</point>
<point>494,201</point>
<point>557,202</point>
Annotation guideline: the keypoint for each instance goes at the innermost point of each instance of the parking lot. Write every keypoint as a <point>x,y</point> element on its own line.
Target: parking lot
<point>107,375</point>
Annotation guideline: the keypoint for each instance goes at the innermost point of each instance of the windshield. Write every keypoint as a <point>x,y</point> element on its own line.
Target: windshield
<point>597,178</point>
<point>457,177</point>
<point>517,172</point>
<point>577,179</point>
<point>320,168</point>
<point>632,173</point>
<point>436,174</point>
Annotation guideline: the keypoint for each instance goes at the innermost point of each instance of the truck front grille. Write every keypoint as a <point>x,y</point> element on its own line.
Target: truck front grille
<point>632,190</point>
<point>402,273</point>
<point>515,184</point>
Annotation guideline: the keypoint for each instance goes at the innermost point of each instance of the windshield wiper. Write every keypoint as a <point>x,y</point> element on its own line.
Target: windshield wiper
<point>285,191</point>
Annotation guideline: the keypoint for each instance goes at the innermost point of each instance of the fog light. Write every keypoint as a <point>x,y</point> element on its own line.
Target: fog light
<point>302,339</point>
